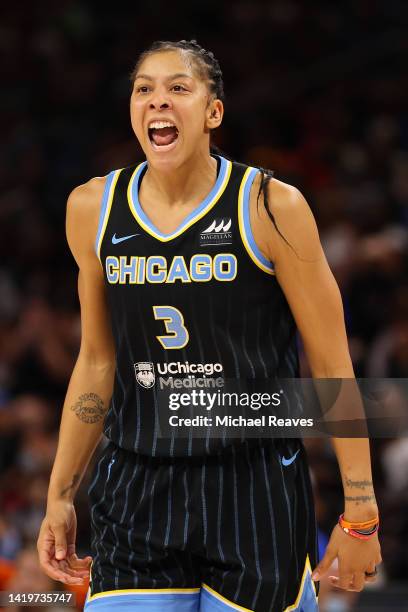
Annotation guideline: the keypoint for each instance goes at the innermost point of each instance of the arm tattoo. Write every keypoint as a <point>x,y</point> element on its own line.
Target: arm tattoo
<point>360,498</point>
<point>89,408</point>
<point>358,484</point>
<point>71,486</point>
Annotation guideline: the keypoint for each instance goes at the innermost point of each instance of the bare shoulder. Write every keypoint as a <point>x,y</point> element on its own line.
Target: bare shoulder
<point>82,216</point>
<point>292,215</point>
<point>286,199</point>
<point>86,198</point>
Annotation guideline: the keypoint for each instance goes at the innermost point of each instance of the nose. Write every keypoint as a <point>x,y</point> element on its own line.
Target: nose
<point>159,99</point>
<point>161,104</point>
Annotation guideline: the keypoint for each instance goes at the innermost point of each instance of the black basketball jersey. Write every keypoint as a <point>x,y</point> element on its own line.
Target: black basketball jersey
<point>188,309</point>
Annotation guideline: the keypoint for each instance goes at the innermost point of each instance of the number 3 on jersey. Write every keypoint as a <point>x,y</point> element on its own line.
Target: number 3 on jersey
<point>177,335</point>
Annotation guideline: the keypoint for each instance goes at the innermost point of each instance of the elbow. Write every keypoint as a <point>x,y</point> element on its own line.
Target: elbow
<point>326,368</point>
<point>329,357</point>
<point>100,362</point>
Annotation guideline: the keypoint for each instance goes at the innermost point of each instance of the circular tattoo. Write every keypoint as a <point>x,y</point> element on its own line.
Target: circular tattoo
<point>89,408</point>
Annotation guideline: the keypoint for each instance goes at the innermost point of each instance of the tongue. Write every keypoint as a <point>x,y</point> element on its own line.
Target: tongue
<point>164,136</point>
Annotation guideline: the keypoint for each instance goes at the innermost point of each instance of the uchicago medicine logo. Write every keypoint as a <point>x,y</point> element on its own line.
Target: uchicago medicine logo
<point>176,374</point>
<point>144,372</point>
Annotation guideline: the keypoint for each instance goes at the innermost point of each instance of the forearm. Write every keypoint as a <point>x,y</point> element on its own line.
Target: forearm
<point>353,456</point>
<point>85,407</point>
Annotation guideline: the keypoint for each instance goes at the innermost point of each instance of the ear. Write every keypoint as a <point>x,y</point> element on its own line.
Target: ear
<point>215,113</point>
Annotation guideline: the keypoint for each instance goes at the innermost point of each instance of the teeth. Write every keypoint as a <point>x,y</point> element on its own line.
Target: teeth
<point>157,125</point>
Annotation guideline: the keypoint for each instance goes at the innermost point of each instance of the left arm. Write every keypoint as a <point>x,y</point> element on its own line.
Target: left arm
<point>314,298</point>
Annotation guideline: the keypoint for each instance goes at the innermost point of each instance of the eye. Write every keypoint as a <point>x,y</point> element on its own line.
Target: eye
<point>179,88</point>
<point>142,89</point>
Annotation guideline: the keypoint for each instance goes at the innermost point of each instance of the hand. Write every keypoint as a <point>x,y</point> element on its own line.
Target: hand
<point>354,558</point>
<point>56,545</point>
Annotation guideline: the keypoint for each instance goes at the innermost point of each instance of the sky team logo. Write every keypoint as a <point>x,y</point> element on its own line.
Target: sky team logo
<point>144,372</point>
<point>218,232</point>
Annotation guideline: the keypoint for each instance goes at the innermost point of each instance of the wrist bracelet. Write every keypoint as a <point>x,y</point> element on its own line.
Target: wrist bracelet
<point>359,524</point>
<point>361,531</point>
<point>358,535</point>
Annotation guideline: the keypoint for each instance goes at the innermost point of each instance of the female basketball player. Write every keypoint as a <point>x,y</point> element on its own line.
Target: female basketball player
<point>181,273</point>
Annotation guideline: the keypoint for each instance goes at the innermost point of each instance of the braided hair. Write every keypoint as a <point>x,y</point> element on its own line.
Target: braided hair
<point>205,63</point>
<point>208,69</point>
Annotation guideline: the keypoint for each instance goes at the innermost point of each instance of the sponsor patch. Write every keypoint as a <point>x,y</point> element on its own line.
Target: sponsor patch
<point>217,232</point>
<point>144,372</point>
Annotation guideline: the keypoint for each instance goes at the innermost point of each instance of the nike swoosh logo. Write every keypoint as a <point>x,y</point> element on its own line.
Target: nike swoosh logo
<point>122,238</point>
<point>287,462</point>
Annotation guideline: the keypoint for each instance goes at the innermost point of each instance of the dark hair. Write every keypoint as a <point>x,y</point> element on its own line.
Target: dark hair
<point>205,63</point>
<point>266,176</point>
<point>209,70</point>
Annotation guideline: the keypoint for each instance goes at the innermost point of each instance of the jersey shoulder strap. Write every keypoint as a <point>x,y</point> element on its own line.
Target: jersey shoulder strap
<point>247,177</point>
<point>116,186</point>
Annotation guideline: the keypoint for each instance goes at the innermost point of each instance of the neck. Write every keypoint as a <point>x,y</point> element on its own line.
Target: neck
<point>192,180</point>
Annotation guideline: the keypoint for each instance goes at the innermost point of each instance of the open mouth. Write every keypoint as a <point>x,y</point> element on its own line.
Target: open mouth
<point>162,134</point>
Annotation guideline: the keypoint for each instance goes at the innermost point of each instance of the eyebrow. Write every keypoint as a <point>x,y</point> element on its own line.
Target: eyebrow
<point>178,75</point>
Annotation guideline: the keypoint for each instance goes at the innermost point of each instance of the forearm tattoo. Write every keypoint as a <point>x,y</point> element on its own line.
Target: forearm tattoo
<point>358,484</point>
<point>367,491</point>
<point>71,486</point>
<point>89,408</point>
<point>360,498</point>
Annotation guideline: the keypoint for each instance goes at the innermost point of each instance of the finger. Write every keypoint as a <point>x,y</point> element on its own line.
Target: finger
<point>47,565</point>
<point>71,533</point>
<point>358,582</point>
<point>76,562</point>
<point>370,578</point>
<point>52,572</point>
<point>343,581</point>
<point>57,574</point>
<point>64,566</point>
<point>64,577</point>
<point>80,573</point>
<point>346,574</point>
<point>46,547</point>
<point>325,563</point>
<point>371,568</point>
<point>335,581</point>
<point>70,549</point>
<point>60,542</point>
<point>71,538</point>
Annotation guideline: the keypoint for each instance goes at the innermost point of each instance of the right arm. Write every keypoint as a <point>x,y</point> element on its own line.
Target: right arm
<point>88,394</point>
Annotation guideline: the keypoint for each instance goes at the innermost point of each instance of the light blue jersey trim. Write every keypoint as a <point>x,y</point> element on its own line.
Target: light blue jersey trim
<point>107,196</point>
<point>195,214</point>
<point>213,602</point>
<point>203,600</point>
<point>308,600</point>
<point>154,602</point>
<point>247,223</point>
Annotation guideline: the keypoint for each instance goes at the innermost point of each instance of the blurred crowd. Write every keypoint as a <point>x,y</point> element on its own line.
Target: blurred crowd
<point>317,93</point>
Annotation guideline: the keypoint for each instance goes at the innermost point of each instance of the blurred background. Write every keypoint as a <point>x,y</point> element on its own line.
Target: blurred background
<point>318,92</point>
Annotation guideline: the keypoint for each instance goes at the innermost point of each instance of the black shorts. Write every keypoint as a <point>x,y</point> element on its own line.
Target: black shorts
<point>234,531</point>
